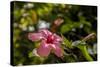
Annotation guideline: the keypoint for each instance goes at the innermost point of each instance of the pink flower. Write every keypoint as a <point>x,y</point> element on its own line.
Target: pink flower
<point>50,42</point>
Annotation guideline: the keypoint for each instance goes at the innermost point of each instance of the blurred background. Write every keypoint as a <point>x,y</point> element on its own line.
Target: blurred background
<point>78,22</point>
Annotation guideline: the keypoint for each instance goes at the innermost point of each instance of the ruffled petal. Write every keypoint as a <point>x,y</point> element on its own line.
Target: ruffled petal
<point>35,36</point>
<point>45,32</point>
<point>57,51</point>
<point>56,43</point>
<point>57,38</point>
<point>44,49</point>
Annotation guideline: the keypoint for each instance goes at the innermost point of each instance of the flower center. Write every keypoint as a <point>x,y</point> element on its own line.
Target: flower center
<point>50,39</point>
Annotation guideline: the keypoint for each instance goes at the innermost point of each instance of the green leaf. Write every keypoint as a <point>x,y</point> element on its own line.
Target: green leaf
<point>81,45</point>
<point>30,54</point>
<point>85,52</point>
<point>66,42</point>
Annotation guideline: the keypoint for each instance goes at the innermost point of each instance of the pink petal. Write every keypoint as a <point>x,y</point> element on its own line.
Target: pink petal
<point>56,43</point>
<point>45,32</point>
<point>57,38</point>
<point>57,50</point>
<point>44,49</point>
<point>35,36</point>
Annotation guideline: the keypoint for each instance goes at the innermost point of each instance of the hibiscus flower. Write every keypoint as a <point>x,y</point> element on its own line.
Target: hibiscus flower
<point>49,43</point>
